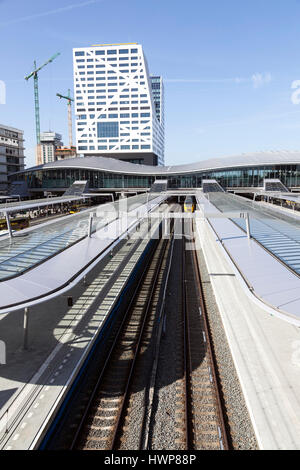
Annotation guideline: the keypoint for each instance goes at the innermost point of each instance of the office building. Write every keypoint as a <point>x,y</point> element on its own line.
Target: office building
<point>11,153</point>
<point>116,112</point>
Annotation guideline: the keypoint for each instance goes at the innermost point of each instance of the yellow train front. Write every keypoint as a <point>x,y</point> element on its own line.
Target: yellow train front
<point>189,204</point>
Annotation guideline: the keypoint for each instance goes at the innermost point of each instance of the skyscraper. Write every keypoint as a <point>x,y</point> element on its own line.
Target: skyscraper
<point>118,114</point>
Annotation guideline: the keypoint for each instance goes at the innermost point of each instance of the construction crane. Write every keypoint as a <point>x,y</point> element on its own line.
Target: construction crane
<point>69,99</point>
<point>34,74</point>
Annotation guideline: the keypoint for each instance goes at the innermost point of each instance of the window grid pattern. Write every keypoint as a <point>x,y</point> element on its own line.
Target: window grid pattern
<point>125,89</point>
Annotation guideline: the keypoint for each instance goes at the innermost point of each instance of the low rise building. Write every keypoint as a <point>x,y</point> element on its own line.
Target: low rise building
<point>50,141</point>
<point>62,153</point>
<point>11,153</point>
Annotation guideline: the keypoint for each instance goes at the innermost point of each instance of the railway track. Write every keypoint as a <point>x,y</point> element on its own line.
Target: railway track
<point>103,422</point>
<point>109,419</point>
<point>200,422</point>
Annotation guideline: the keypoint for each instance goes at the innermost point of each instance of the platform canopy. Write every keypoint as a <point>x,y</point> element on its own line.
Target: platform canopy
<point>19,206</point>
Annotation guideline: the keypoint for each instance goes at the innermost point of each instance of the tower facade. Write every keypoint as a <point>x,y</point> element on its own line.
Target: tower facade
<point>116,114</point>
<point>11,153</point>
<point>50,141</point>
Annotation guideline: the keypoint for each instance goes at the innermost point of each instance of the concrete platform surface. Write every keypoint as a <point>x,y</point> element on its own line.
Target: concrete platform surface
<point>270,280</point>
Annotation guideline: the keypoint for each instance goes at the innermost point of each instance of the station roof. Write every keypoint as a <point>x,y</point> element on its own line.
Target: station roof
<point>294,197</point>
<point>114,165</point>
<point>31,204</point>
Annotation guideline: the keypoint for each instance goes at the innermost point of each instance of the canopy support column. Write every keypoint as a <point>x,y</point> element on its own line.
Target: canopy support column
<point>8,225</point>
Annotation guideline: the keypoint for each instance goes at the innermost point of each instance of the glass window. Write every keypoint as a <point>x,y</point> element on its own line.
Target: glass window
<point>100,52</point>
<point>111,51</point>
<point>123,51</point>
<point>108,129</point>
<point>79,53</point>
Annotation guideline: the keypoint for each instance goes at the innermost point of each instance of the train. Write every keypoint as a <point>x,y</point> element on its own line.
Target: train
<point>17,223</point>
<point>189,204</point>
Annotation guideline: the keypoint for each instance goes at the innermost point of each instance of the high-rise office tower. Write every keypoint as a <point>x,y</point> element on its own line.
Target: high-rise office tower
<point>158,98</point>
<point>118,114</point>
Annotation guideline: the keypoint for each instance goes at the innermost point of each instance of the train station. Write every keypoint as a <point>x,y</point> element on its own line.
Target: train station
<point>149,229</point>
<point>123,266</point>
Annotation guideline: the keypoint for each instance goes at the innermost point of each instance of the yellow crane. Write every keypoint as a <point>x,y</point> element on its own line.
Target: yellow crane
<point>69,99</point>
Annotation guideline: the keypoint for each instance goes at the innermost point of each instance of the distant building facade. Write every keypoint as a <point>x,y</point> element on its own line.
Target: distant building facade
<point>158,97</point>
<point>46,150</point>
<point>116,112</point>
<point>62,153</point>
<point>11,153</point>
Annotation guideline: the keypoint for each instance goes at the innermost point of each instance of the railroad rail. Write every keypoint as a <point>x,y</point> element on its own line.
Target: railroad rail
<point>200,413</point>
<point>102,423</point>
<point>133,350</point>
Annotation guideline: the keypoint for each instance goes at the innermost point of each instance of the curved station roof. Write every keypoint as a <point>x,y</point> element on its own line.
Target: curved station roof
<point>117,166</point>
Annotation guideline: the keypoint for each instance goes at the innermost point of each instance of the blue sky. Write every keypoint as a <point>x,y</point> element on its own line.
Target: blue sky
<point>228,67</point>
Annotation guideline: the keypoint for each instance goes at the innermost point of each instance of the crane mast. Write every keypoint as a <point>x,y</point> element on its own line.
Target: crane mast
<point>36,105</point>
<point>34,74</point>
<point>69,100</point>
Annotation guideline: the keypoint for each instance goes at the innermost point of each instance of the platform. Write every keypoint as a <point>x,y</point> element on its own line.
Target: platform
<point>35,380</point>
<point>263,275</point>
<point>48,274</point>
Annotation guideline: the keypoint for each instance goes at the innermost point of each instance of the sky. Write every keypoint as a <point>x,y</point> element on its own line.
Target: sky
<point>228,67</point>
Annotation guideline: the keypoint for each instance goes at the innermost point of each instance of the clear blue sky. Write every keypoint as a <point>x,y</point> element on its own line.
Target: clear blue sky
<point>228,67</point>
